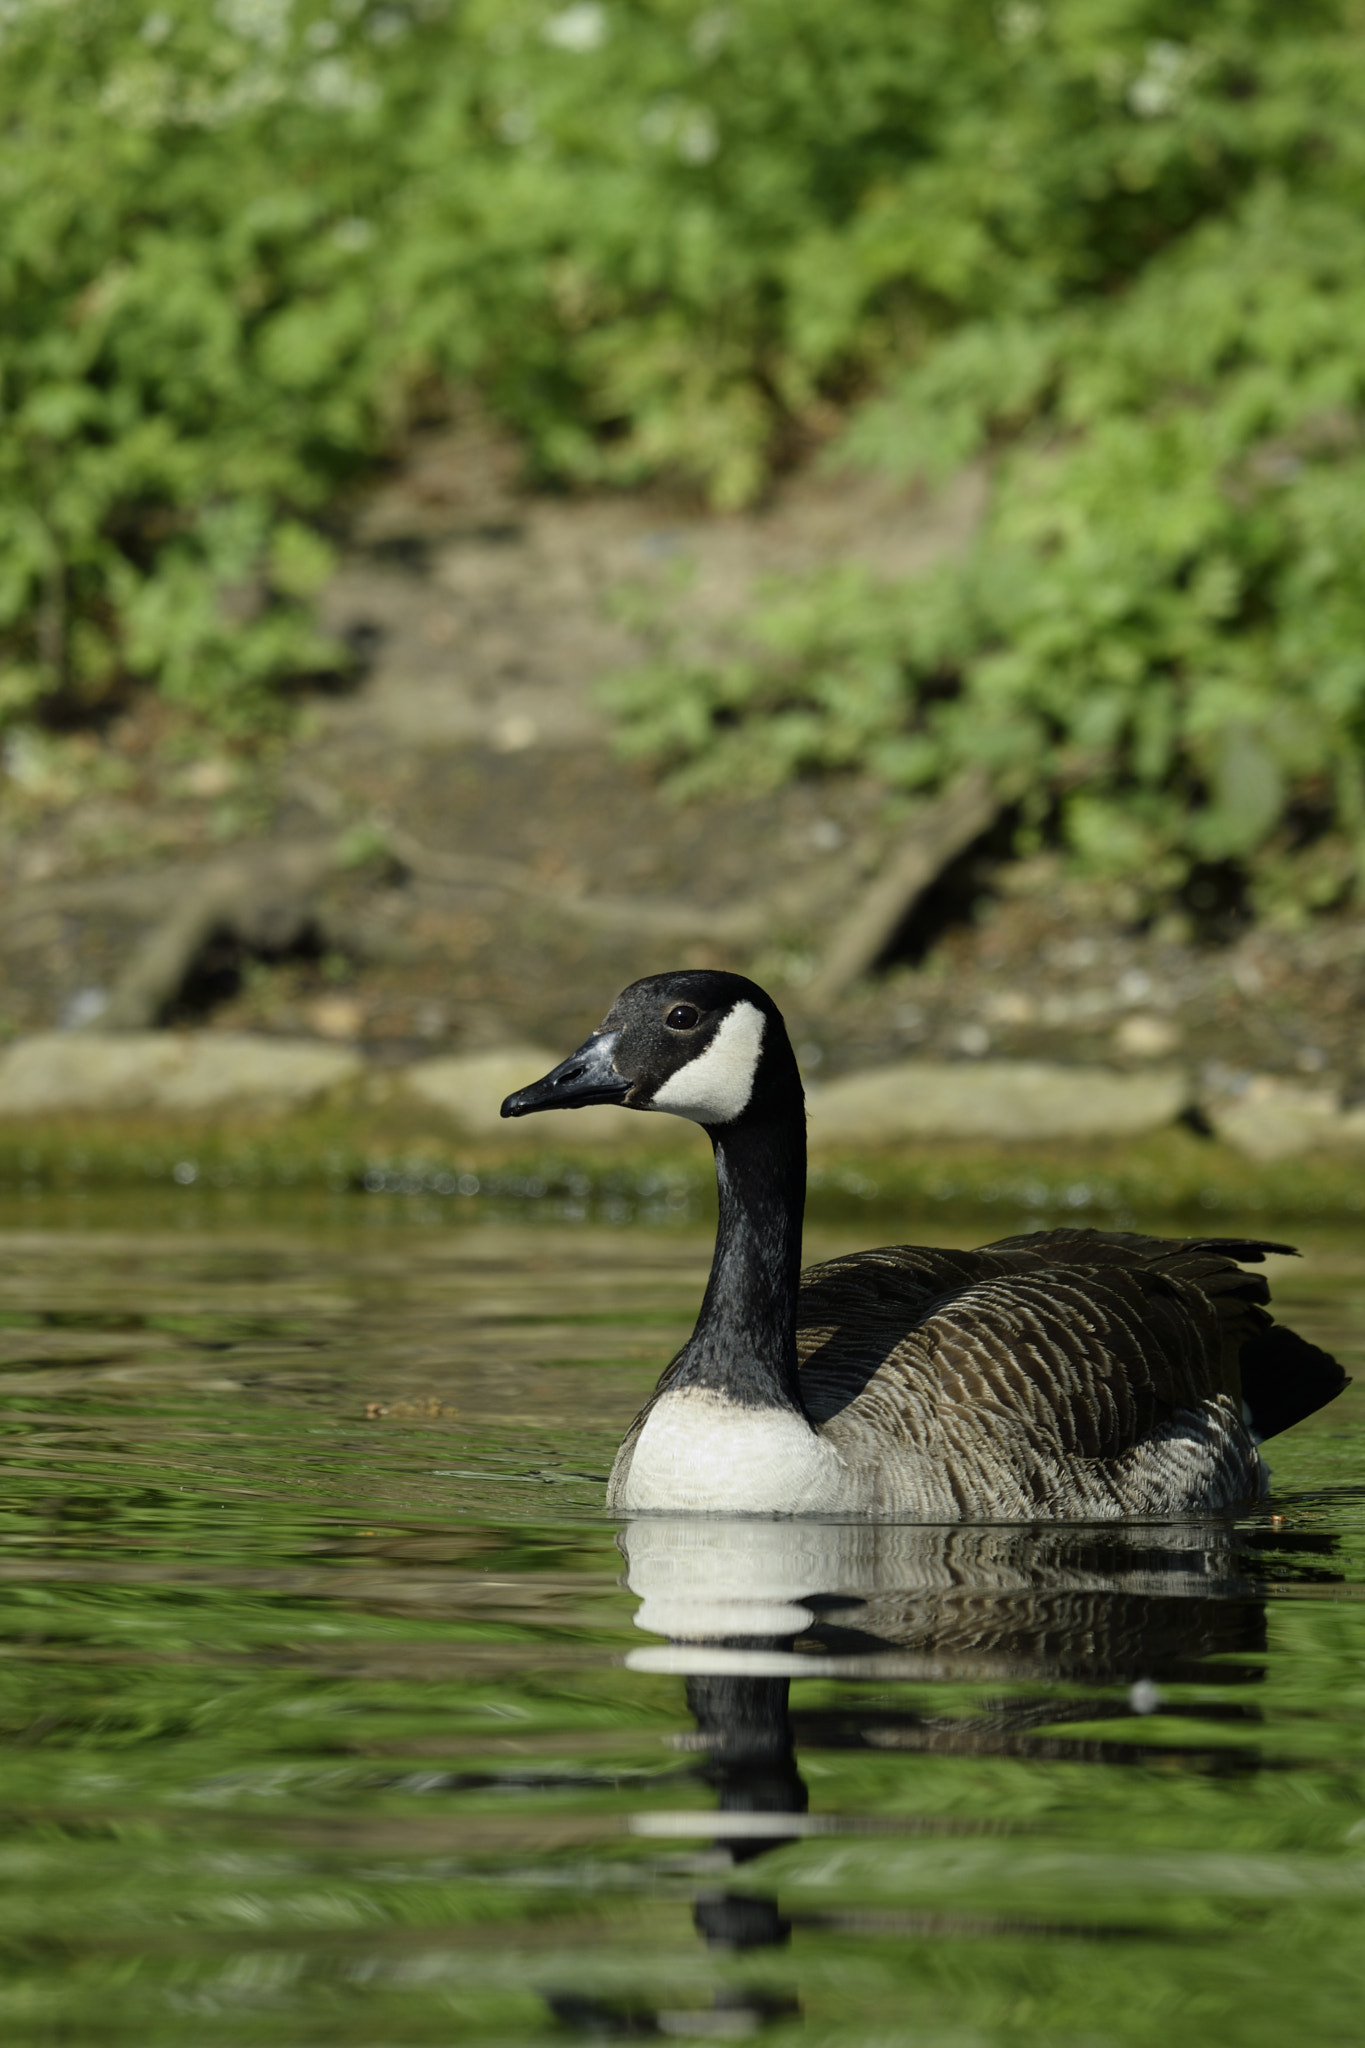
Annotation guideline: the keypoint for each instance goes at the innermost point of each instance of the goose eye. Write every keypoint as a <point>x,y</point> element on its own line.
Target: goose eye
<point>682,1017</point>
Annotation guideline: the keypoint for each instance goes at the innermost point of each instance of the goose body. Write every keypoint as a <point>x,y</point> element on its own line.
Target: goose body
<point>1074,1374</point>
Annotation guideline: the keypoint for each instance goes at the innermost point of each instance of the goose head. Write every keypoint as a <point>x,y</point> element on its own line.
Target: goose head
<point>704,1045</point>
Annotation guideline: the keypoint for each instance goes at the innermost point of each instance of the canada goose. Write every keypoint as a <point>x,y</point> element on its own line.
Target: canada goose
<point>1074,1374</point>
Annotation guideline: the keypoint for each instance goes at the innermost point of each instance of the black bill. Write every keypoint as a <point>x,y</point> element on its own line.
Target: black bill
<point>585,1077</point>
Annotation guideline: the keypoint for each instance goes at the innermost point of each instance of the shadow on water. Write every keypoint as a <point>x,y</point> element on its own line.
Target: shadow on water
<point>746,1606</point>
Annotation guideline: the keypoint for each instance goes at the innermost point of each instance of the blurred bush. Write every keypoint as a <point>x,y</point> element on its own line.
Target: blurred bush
<point>1118,243</point>
<point>1139,279</point>
<point>241,242</point>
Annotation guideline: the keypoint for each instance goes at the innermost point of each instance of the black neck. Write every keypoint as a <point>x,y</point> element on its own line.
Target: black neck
<point>744,1344</point>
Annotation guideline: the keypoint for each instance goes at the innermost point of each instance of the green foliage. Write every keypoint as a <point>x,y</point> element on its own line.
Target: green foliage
<point>240,241</point>
<point>1118,241</point>
<point>1162,629</point>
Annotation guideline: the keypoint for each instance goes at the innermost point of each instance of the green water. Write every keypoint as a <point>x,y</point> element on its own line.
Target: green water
<point>331,1726</point>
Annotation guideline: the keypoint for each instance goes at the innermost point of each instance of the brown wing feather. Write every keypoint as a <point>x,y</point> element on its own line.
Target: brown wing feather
<point>1088,1338</point>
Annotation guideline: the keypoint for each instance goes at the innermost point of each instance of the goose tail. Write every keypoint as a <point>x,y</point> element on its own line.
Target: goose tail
<point>1284,1378</point>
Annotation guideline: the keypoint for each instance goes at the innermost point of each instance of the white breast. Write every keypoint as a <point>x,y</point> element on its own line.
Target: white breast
<point>700,1452</point>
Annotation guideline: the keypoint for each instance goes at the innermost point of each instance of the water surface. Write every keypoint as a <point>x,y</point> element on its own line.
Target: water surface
<point>336,1710</point>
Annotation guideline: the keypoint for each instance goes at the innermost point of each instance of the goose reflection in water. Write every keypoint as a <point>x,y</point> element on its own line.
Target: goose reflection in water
<point>745,1605</point>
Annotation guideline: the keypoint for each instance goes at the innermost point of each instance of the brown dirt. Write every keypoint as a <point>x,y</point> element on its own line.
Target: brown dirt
<point>510,874</point>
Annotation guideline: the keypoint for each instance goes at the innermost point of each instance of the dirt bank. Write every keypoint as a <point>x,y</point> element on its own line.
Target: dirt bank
<point>447,855</point>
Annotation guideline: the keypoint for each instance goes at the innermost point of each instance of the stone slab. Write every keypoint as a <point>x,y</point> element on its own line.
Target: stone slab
<point>184,1074</point>
<point>469,1088</point>
<point>997,1101</point>
<point>1270,1117</point>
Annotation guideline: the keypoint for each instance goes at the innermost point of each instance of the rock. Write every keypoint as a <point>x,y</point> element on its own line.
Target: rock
<point>1347,1133</point>
<point>470,1087</point>
<point>1272,1118</point>
<point>1145,1037</point>
<point>1003,1101</point>
<point>62,1071</point>
<point>336,1016</point>
<point>223,1068</point>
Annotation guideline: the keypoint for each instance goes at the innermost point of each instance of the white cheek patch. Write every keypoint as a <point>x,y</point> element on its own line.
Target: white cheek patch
<point>715,1087</point>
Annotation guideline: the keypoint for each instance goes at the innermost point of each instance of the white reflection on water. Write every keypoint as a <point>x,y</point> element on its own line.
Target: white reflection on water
<point>908,1600</point>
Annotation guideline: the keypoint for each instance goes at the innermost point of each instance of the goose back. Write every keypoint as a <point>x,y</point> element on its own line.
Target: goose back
<point>1096,1337</point>
<point>1072,1372</point>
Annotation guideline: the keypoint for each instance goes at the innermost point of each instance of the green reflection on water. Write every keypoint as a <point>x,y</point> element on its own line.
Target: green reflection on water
<point>335,1728</point>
